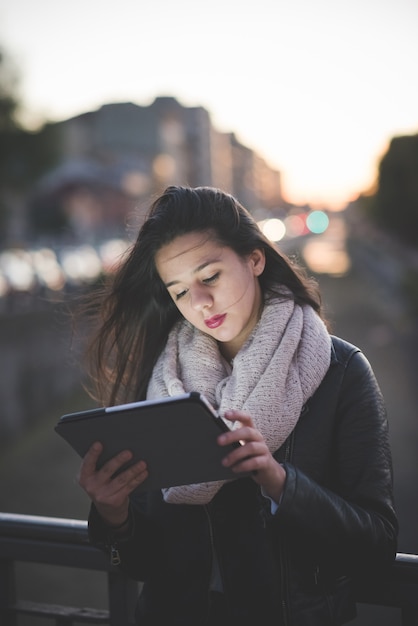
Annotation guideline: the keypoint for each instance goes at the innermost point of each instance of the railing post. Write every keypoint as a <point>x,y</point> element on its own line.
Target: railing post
<point>7,592</point>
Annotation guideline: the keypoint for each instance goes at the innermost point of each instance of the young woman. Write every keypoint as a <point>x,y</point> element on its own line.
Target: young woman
<point>203,302</point>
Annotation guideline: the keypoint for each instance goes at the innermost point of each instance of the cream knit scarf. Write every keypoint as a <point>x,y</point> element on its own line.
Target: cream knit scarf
<point>273,375</point>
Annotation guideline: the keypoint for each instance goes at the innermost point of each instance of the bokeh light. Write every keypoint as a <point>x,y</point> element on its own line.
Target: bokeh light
<point>317,222</point>
<point>273,228</point>
<point>295,225</point>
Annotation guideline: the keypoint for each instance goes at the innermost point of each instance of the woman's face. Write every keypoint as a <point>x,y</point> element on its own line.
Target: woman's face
<point>214,289</point>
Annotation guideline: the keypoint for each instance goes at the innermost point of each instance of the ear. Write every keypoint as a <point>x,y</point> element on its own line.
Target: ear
<point>257,260</point>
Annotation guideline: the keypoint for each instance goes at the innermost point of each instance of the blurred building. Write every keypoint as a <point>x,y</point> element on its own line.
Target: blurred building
<point>111,161</point>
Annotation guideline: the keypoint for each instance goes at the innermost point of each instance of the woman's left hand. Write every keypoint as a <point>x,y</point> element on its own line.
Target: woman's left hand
<point>253,455</point>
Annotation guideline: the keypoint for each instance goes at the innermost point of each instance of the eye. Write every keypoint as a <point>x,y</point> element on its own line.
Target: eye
<point>211,279</point>
<point>178,296</point>
<point>206,281</point>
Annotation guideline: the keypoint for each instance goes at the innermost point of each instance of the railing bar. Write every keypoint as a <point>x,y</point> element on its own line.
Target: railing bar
<point>37,526</point>
<point>60,612</point>
<point>55,553</point>
<point>59,541</point>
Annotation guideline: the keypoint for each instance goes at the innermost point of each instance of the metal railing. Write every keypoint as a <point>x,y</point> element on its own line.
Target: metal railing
<point>57,541</point>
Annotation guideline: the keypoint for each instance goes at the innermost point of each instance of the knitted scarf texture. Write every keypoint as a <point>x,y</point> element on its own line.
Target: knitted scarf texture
<point>273,375</point>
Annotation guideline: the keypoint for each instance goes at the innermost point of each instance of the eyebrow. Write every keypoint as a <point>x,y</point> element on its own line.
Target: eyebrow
<point>195,271</point>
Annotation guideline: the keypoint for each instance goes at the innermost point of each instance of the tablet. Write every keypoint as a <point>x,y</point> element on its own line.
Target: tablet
<point>175,436</point>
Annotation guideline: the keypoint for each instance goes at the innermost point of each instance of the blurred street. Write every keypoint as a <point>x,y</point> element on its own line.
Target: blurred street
<point>37,473</point>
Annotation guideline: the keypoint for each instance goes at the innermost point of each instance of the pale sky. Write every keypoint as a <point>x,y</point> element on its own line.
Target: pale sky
<point>317,87</point>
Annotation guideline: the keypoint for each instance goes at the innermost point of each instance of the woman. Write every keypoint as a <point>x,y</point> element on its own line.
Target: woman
<point>203,302</point>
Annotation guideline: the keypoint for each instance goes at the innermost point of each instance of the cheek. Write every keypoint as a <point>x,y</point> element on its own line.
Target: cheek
<point>179,306</point>
<point>184,310</point>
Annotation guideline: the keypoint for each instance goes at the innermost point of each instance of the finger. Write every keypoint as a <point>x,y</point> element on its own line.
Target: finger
<point>90,478</point>
<point>250,465</point>
<point>138,477</point>
<point>89,464</point>
<point>248,451</point>
<point>233,416</point>
<point>125,482</point>
<point>135,474</point>
<point>115,463</point>
<point>92,456</point>
<point>243,435</point>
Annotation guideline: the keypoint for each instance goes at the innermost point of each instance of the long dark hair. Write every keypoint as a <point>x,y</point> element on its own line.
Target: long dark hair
<point>134,311</point>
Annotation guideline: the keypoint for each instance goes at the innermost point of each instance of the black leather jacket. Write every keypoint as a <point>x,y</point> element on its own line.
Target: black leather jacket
<point>335,521</point>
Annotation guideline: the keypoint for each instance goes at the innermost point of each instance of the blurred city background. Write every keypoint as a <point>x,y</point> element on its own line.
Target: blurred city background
<point>77,174</point>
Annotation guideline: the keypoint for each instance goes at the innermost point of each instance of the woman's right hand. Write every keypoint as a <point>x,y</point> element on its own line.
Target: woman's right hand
<point>109,493</point>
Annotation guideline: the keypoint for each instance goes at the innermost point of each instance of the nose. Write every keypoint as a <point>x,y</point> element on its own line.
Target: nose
<point>200,298</point>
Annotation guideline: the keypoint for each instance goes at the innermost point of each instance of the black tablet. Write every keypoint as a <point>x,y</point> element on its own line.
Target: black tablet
<point>176,436</point>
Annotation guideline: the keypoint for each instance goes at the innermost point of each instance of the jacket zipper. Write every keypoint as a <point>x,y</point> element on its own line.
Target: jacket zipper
<point>114,555</point>
<point>283,569</point>
<point>283,574</point>
<point>212,549</point>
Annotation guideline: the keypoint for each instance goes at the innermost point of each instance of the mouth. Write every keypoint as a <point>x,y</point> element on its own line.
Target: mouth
<point>215,321</point>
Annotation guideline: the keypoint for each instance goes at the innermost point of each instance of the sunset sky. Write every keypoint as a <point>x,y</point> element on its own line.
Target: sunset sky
<point>318,87</point>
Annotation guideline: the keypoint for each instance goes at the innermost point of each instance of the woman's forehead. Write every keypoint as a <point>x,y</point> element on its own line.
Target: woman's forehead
<point>188,253</point>
<point>188,243</point>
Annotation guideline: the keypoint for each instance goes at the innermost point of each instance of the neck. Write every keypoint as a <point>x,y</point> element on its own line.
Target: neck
<point>227,352</point>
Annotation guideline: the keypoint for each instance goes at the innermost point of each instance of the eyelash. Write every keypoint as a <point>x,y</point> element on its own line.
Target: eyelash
<point>206,281</point>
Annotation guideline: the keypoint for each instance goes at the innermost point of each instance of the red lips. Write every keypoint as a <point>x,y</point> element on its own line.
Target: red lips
<point>215,321</point>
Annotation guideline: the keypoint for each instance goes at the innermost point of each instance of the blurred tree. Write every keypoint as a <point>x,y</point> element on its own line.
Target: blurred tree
<point>8,94</point>
<point>24,155</point>
<point>395,203</point>
<point>8,125</point>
